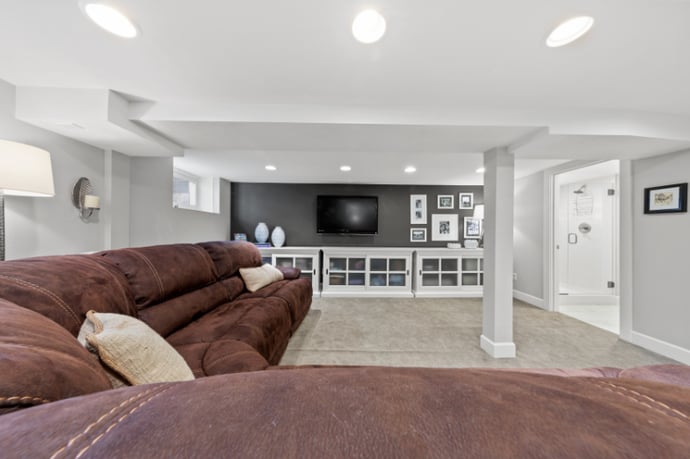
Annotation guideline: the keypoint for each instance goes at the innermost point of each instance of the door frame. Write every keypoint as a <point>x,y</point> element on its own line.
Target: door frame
<point>622,243</point>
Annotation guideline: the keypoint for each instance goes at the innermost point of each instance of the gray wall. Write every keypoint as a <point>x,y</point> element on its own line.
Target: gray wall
<point>50,226</point>
<point>661,252</point>
<point>528,235</point>
<point>293,207</point>
<point>153,220</point>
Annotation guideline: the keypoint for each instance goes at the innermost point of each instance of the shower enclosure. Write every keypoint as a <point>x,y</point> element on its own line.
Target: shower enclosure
<point>586,240</point>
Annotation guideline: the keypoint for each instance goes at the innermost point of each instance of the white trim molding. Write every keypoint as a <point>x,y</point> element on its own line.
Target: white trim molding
<point>661,347</point>
<point>530,299</point>
<point>497,350</point>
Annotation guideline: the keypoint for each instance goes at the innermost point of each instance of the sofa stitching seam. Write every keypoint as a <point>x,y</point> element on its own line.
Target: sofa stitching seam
<point>46,292</point>
<point>208,261</point>
<point>153,269</point>
<point>24,398</point>
<point>72,440</point>
<point>123,292</point>
<point>660,406</point>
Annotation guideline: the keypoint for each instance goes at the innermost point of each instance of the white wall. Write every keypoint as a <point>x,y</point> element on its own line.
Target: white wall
<point>152,217</point>
<point>48,226</point>
<point>528,237</point>
<point>661,253</point>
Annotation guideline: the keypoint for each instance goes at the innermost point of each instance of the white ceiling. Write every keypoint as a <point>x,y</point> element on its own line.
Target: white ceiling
<point>239,83</point>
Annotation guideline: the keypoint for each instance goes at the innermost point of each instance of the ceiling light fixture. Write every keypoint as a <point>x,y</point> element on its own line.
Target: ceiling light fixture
<point>271,167</point>
<point>481,170</point>
<point>110,19</point>
<point>569,31</point>
<point>345,168</point>
<point>369,26</point>
<point>410,169</point>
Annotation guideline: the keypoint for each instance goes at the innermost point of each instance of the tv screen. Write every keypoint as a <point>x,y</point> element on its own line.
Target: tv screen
<point>347,214</point>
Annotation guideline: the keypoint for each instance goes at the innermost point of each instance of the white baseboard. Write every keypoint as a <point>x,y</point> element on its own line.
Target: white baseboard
<point>497,350</point>
<point>527,298</point>
<point>583,300</point>
<point>662,347</point>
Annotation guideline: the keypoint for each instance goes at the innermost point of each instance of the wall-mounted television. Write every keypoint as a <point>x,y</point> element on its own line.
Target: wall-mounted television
<point>347,214</point>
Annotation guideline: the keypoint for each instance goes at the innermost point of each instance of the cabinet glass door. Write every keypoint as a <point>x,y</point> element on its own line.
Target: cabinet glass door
<point>337,271</point>
<point>397,268</point>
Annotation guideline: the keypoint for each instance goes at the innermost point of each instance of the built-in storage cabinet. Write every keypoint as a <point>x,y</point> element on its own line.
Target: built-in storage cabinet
<point>304,258</point>
<point>448,272</point>
<point>365,272</point>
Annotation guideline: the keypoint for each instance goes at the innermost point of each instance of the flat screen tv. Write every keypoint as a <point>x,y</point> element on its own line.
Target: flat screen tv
<point>347,214</point>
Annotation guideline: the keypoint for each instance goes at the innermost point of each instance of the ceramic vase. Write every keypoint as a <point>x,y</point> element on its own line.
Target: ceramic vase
<point>261,233</point>
<point>278,236</point>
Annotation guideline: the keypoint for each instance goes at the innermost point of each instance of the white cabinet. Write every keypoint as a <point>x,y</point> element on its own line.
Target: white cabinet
<point>304,258</point>
<point>362,271</point>
<point>449,272</point>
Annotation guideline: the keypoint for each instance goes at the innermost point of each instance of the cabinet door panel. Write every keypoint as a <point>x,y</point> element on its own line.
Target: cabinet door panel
<point>397,264</point>
<point>378,264</point>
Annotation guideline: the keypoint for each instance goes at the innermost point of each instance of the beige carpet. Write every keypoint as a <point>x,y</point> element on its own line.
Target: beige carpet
<point>445,333</point>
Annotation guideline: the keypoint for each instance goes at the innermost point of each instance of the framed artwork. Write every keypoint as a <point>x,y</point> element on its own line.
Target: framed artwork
<point>417,234</point>
<point>666,199</point>
<point>445,201</point>
<point>444,227</point>
<point>466,200</point>
<point>418,209</point>
<point>473,228</point>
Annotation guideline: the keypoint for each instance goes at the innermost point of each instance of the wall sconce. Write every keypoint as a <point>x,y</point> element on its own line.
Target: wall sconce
<point>84,199</point>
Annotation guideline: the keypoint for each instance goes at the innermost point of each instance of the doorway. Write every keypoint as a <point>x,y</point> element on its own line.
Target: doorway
<point>586,257</point>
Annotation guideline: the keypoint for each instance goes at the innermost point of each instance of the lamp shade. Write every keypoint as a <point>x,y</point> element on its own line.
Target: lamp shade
<point>478,211</point>
<point>25,170</point>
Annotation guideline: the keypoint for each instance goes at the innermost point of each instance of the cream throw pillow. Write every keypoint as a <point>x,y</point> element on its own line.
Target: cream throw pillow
<point>256,278</point>
<point>132,350</point>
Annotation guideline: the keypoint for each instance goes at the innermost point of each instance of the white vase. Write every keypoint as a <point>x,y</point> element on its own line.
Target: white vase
<point>278,236</point>
<point>261,233</point>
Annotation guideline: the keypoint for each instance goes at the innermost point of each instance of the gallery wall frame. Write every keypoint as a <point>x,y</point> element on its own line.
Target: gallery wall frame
<point>417,234</point>
<point>666,199</point>
<point>445,201</point>
<point>472,228</point>
<point>418,209</point>
<point>466,200</point>
<point>444,227</point>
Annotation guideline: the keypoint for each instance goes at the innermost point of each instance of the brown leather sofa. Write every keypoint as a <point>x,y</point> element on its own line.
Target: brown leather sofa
<point>184,292</point>
<point>191,294</point>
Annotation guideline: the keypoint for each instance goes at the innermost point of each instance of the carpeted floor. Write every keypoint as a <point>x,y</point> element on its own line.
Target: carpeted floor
<point>445,333</point>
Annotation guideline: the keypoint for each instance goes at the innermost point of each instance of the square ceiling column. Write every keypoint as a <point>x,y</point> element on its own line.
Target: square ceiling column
<point>497,317</point>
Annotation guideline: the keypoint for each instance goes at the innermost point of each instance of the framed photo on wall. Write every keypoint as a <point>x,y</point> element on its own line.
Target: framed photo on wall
<point>444,227</point>
<point>445,201</point>
<point>418,209</point>
<point>472,228</point>
<point>466,200</point>
<point>666,199</point>
<point>417,234</point>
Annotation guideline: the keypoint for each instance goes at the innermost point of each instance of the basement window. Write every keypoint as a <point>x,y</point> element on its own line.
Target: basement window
<point>194,192</point>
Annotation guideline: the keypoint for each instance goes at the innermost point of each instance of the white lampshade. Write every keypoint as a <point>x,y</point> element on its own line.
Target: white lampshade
<point>25,170</point>
<point>92,202</point>
<point>478,211</point>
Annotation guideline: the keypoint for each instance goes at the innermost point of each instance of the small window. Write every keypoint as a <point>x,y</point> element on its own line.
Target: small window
<point>185,190</point>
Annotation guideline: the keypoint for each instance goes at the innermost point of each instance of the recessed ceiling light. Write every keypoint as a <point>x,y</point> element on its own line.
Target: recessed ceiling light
<point>410,169</point>
<point>110,19</point>
<point>481,170</point>
<point>569,31</point>
<point>271,167</point>
<point>345,168</point>
<point>369,26</point>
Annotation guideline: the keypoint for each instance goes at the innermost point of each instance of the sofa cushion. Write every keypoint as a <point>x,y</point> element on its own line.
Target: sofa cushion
<point>297,294</point>
<point>221,357</point>
<point>64,288</point>
<point>132,349</point>
<point>41,362</point>
<point>670,374</point>
<point>164,271</point>
<point>261,276</point>
<point>230,256</point>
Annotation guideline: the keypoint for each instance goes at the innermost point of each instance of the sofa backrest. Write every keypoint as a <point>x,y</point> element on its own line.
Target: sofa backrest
<point>230,256</point>
<point>41,362</point>
<point>64,288</point>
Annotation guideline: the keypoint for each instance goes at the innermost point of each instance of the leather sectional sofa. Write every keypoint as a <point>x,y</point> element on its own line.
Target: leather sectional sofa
<point>56,400</point>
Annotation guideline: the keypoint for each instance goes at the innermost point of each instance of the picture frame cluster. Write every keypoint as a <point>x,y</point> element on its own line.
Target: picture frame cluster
<point>444,226</point>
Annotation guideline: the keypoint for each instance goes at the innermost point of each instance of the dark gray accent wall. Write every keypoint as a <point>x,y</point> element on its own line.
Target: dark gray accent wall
<point>293,207</point>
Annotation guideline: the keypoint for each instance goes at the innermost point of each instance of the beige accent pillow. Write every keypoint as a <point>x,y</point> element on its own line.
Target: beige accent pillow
<point>256,278</point>
<point>131,349</point>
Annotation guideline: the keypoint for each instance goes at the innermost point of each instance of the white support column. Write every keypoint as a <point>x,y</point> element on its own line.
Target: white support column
<point>497,318</point>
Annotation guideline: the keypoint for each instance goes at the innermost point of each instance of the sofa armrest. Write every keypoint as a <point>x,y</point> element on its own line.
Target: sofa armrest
<point>289,272</point>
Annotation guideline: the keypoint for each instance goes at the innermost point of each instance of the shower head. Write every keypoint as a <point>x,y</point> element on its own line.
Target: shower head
<point>581,189</point>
